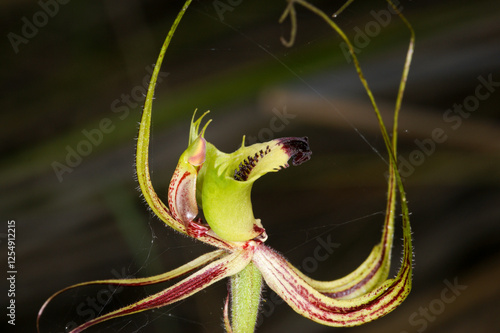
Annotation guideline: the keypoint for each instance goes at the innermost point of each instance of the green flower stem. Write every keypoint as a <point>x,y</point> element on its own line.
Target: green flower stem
<point>246,288</point>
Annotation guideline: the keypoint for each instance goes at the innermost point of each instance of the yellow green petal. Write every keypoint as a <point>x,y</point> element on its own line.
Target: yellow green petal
<point>224,267</point>
<point>184,269</point>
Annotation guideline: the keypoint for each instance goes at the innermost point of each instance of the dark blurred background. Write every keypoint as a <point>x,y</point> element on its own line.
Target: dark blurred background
<point>72,90</point>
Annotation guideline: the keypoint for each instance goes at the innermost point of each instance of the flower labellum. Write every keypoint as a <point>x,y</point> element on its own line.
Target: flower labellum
<point>223,182</point>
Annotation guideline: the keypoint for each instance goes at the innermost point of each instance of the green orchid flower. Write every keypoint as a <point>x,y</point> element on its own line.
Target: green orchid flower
<point>221,185</point>
<point>224,182</point>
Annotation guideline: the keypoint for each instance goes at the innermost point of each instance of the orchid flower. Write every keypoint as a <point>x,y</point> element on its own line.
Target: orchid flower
<point>221,184</point>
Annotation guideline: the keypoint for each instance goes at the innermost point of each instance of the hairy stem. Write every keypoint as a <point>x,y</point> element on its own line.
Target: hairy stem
<point>246,287</point>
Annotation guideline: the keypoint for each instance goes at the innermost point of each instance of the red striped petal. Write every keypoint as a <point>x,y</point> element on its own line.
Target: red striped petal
<point>318,307</point>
